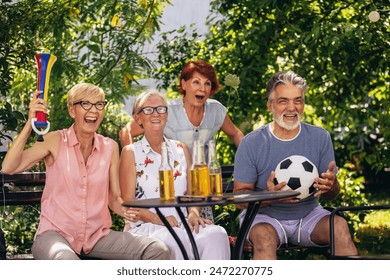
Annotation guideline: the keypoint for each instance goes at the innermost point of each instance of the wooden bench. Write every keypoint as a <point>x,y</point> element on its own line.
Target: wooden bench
<point>22,189</point>
<point>26,188</point>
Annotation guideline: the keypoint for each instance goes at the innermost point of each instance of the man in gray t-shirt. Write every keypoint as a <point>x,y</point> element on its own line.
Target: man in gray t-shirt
<point>299,221</point>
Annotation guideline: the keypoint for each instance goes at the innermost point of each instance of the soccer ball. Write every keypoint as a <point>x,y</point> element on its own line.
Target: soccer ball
<point>299,173</point>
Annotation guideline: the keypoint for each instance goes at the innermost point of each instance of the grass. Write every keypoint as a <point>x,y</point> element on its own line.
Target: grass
<point>373,235</point>
<point>379,218</point>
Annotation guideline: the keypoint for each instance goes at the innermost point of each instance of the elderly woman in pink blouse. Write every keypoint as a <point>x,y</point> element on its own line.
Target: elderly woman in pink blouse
<point>82,169</point>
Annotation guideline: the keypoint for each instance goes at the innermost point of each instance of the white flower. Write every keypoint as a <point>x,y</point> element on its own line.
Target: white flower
<point>232,81</point>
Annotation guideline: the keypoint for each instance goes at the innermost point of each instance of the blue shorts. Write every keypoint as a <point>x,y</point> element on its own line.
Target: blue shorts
<point>296,232</point>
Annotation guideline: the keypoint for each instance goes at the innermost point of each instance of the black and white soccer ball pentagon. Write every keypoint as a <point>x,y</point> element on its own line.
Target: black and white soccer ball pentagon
<point>299,173</point>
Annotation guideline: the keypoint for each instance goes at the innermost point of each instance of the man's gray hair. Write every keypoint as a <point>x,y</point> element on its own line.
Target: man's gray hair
<point>286,78</point>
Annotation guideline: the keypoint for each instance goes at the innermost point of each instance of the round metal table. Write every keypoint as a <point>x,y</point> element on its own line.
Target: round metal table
<point>254,200</point>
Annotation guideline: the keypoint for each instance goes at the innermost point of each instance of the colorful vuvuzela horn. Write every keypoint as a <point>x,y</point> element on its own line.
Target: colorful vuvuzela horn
<point>45,62</point>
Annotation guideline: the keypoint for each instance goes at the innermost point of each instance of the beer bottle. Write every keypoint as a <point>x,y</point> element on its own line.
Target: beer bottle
<point>167,191</point>
<point>214,170</point>
<point>200,181</point>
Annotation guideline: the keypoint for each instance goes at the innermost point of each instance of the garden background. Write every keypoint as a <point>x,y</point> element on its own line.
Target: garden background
<point>341,51</point>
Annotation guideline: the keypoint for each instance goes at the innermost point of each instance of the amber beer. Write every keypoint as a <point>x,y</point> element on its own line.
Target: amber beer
<point>195,187</point>
<point>215,170</point>
<point>165,173</point>
<point>216,184</point>
<point>200,181</point>
<point>167,191</point>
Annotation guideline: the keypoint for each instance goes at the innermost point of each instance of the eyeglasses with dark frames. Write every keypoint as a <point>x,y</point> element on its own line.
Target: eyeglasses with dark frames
<point>150,110</point>
<point>88,105</point>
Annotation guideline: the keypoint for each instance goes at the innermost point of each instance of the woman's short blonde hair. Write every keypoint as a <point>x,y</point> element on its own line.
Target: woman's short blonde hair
<point>144,96</point>
<point>84,91</point>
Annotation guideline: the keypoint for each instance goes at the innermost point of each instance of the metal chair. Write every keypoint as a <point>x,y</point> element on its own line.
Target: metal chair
<point>332,243</point>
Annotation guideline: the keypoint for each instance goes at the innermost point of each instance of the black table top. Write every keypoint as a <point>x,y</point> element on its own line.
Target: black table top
<point>230,198</point>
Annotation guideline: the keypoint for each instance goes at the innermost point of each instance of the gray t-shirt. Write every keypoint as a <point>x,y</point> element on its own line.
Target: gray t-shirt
<point>260,152</point>
<point>179,127</point>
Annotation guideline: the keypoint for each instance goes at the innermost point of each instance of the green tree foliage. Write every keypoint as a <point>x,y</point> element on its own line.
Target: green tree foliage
<point>343,55</point>
<point>20,228</point>
<point>94,41</point>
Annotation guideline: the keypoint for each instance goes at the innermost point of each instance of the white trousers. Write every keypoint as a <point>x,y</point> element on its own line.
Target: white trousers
<point>212,240</point>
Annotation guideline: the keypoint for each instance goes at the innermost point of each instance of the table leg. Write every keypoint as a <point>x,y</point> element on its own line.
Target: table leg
<point>188,230</point>
<point>170,229</point>
<point>250,214</point>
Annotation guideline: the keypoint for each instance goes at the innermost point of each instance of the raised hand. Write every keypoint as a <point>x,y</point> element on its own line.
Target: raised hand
<point>36,105</point>
<point>327,180</point>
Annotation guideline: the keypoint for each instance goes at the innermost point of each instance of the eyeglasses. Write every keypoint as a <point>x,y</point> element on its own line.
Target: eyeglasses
<point>149,110</point>
<point>88,105</point>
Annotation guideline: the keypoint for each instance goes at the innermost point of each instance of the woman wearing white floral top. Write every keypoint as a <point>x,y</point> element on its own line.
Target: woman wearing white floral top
<point>139,180</point>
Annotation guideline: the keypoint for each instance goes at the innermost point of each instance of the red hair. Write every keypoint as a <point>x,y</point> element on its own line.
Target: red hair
<point>202,67</point>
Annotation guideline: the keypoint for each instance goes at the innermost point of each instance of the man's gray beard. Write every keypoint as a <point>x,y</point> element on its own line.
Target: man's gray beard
<point>282,124</point>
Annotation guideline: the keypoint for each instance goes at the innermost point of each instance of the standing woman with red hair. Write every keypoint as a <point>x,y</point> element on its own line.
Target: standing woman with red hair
<point>195,116</point>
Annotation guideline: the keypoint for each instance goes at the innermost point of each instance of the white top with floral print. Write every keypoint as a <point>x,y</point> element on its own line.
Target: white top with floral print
<point>147,163</point>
